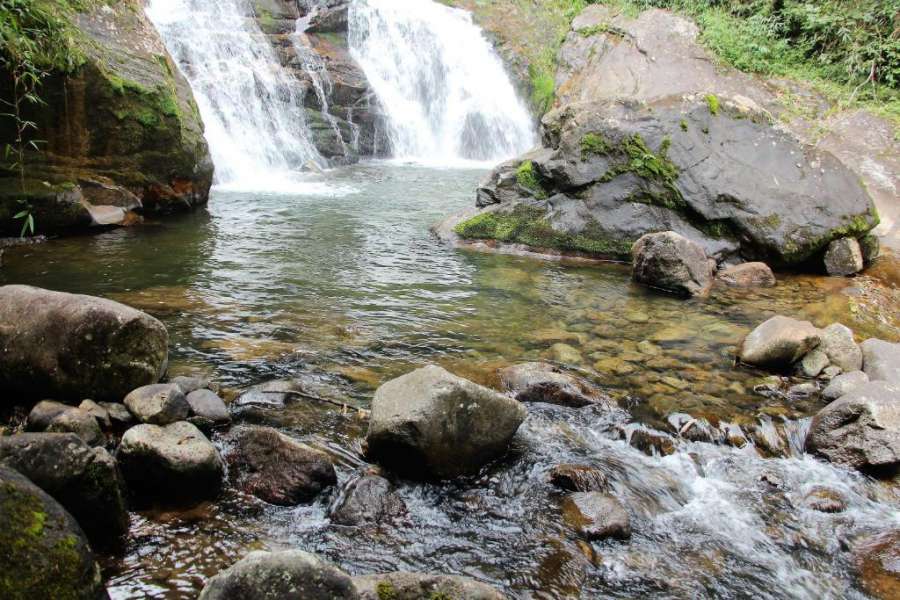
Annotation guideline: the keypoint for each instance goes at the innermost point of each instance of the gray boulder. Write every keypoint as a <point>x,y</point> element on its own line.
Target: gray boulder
<point>417,586</point>
<point>84,480</point>
<point>366,499</point>
<point>881,360</point>
<point>43,551</point>
<point>158,404</point>
<point>278,469</point>
<point>544,382</point>
<point>174,463</point>
<point>279,576</point>
<point>860,429</point>
<point>844,384</point>
<point>431,423</point>
<point>43,413</point>
<point>119,415</point>
<point>81,423</point>
<point>843,257</point>
<point>779,342</point>
<point>838,344</point>
<point>190,384</point>
<point>70,346</point>
<point>671,262</point>
<point>100,414</point>
<point>747,275</point>
<point>208,410</point>
<point>814,363</point>
<point>596,516</point>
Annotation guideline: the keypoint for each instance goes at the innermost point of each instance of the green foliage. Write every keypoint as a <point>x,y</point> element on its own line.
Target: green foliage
<point>543,82</point>
<point>712,101</point>
<point>385,591</point>
<point>528,179</point>
<point>684,125</point>
<point>593,143</point>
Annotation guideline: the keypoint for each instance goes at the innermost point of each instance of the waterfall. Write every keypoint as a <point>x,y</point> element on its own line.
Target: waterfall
<point>251,106</point>
<point>444,90</point>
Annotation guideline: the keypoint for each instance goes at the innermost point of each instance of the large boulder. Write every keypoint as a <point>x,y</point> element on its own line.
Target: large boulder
<point>278,469</point>
<point>431,423</point>
<point>170,464</point>
<point>279,576</point>
<point>779,342</point>
<point>860,429</point>
<point>669,261</point>
<point>366,499</point>
<point>70,346</point>
<point>544,382</point>
<point>881,360</point>
<point>43,551</point>
<point>402,585</point>
<point>158,404</point>
<point>84,480</point>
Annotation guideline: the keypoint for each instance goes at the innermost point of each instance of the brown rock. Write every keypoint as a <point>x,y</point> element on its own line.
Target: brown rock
<point>747,275</point>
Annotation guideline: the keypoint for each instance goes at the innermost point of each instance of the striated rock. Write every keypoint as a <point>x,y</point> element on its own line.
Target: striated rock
<point>747,275</point>
<point>84,480</point>
<point>544,382</point>
<point>596,516</point>
<point>70,346</point>
<point>860,429</point>
<point>881,360</point>
<point>843,257</point>
<point>43,413</point>
<point>844,384</point>
<point>402,585</point>
<point>779,342</point>
<point>877,561</point>
<point>578,478</point>
<point>671,262</point>
<point>279,576</point>
<point>366,499</point>
<point>813,363</point>
<point>431,423</point>
<point>171,464</point>
<point>44,552</point>
<point>838,344</point>
<point>208,410</point>
<point>158,404</point>
<point>278,469</point>
<point>79,422</point>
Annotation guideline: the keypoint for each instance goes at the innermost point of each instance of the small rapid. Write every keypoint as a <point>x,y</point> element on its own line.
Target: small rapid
<point>444,89</point>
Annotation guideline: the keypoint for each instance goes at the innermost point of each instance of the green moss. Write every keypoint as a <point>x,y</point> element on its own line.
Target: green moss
<point>528,179</point>
<point>543,83</point>
<point>712,101</point>
<point>594,30</point>
<point>440,596</point>
<point>684,125</point>
<point>386,591</point>
<point>267,22</point>
<point>594,143</point>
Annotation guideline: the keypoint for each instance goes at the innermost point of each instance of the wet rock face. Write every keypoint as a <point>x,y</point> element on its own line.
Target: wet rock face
<point>69,346</point>
<point>596,516</point>
<point>861,429</point>
<point>280,575</point>
<point>779,342</point>
<point>158,404</point>
<point>431,423</point>
<point>877,561</point>
<point>45,553</point>
<point>415,586</point>
<point>367,499</point>
<point>278,469</point>
<point>84,480</point>
<point>671,262</point>
<point>544,382</point>
<point>578,478</point>
<point>170,464</point>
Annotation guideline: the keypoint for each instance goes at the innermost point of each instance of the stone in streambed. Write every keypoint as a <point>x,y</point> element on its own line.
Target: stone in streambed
<point>779,342</point>
<point>543,382</point>
<point>651,442</point>
<point>843,257</point>
<point>881,360</point>
<point>596,516</point>
<point>671,262</point>
<point>81,423</point>
<point>747,275</point>
<point>431,423</point>
<point>366,499</point>
<point>119,415</point>
<point>813,363</point>
<point>842,350</point>
<point>208,410</point>
<point>100,414</point>
<point>578,478</point>
<point>844,384</point>
<point>877,562</point>
<point>158,404</point>
<point>43,413</point>
<point>825,500</point>
<point>401,585</point>
<point>190,384</point>
<point>277,469</point>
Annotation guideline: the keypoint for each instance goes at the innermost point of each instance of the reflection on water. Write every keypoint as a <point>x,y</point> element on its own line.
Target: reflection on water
<point>349,290</point>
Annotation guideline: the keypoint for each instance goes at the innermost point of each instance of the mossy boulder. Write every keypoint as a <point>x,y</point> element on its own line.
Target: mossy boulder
<point>43,552</point>
<point>119,124</point>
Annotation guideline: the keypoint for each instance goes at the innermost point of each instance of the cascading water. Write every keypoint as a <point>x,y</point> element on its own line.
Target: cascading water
<point>252,108</point>
<point>443,88</point>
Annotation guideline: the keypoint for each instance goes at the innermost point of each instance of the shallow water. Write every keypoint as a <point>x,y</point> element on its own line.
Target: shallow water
<point>345,287</point>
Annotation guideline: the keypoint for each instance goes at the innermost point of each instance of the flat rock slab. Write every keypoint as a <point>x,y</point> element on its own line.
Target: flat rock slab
<point>417,586</point>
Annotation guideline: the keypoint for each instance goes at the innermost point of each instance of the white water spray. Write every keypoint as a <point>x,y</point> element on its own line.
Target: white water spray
<point>445,92</point>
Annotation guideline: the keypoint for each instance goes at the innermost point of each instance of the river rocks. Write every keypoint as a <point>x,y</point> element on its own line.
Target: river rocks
<point>861,429</point>
<point>43,413</point>
<point>813,363</point>
<point>651,442</point>
<point>278,469</point>
<point>43,551</point>
<point>100,414</point>
<point>79,422</point>
<point>279,576</point>
<point>207,409</point>
<point>747,275</point>
<point>843,257</point>
<point>838,344</point>
<point>565,354</point>
<point>779,342</point>
<point>69,346</point>
<point>543,382</point>
<point>671,262</point>
<point>881,360</point>
<point>190,384</point>
<point>416,586</point>
<point>119,415</point>
<point>366,499</point>
<point>596,516</point>
<point>84,480</point>
<point>578,478</point>
<point>431,423</point>
<point>158,404</point>
<point>844,384</point>
<point>172,463</point>
<point>877,561</point>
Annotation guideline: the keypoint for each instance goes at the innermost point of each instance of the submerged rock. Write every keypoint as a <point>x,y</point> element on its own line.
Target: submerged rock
<point>597,516</point>
<point>366,499</point>
<point>278,469</point>
<point>779,342</point>
<point>43,551</point>
<point>747,275</point>
<point>881,360</point>
<point>84,480</point>
<point>417,586</point>
<point>877,561</point>
<point>579,478</point>
<point>279,576</point>
<point>544,382</point>
<point>158,404</point>
<point>431,423</point>
<point>70,346</point>
<point>671,262</point>
<point>843,257</point>
<point>171,464</point>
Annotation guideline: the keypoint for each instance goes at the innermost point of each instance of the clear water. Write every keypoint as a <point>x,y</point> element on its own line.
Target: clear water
<point>346,289</point>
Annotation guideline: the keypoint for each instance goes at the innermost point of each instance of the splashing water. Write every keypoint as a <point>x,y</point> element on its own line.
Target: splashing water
<point>252,108</point>
<point>445,92</point>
